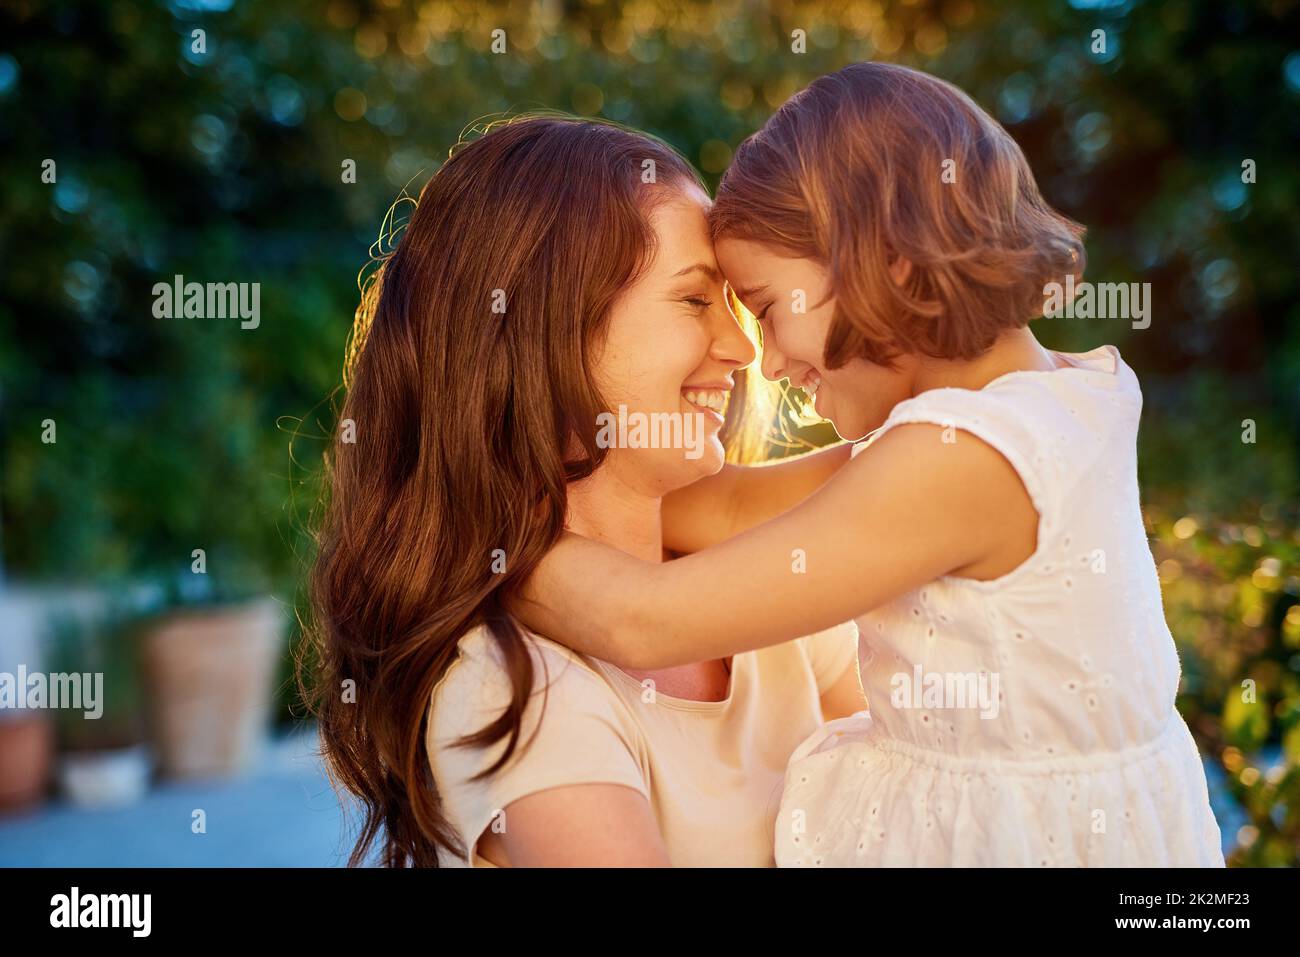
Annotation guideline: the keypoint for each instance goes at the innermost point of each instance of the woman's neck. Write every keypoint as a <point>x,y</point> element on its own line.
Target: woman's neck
<point>609,510</point>
<point>604,508</point>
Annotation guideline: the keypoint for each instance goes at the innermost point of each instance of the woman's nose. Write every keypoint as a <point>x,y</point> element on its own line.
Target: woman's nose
<point>730,344</point>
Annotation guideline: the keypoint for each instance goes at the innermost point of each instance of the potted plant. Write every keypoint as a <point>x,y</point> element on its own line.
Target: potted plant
<point>26,745</point>
<point>209,664</point>
<point>103,759</point>
<point>26,734</point>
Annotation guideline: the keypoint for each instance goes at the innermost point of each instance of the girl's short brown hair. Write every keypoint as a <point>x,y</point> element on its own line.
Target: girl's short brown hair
<point>877,161</point>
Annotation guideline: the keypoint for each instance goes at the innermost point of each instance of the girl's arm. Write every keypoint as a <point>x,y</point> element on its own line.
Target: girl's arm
<point>910,509</point>
<point>739,497</point>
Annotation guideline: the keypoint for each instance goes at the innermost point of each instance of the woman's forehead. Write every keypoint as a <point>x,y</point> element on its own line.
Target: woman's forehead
<point>682,234</point>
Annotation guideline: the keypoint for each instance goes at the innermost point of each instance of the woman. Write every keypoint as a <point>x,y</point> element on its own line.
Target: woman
<point>554,270</point>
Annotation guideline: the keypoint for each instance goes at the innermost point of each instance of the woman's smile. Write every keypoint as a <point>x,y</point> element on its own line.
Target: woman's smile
<point>708,398</point>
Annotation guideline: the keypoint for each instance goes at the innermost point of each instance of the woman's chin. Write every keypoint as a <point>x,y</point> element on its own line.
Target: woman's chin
<point>705,459</point>
<point>712,457</point>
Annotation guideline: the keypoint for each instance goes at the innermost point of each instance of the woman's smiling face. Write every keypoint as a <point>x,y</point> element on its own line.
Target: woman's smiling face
<point>672,346</point>
<point>856,397</point>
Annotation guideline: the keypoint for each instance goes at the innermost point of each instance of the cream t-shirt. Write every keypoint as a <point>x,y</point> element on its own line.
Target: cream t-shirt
<point>712,770</point>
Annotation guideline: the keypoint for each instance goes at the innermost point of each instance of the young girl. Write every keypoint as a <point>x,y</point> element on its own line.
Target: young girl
<point>987,536</point>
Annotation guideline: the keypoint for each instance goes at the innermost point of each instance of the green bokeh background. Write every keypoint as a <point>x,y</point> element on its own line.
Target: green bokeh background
<point>225,165</point>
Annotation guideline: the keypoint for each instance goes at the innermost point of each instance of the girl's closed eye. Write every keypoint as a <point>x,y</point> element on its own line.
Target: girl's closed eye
<point>699,302</point>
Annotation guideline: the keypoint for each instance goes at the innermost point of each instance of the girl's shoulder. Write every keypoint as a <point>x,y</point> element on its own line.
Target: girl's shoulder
<point>1096,393</point>
<point>1051,426</point>
<point>1099,379</point>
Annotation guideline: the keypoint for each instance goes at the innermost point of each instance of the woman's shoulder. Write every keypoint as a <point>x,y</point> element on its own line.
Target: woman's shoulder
<point>479,679</point>
<point>572,730</point>
<point>829,652</point>
<point>480,645</point>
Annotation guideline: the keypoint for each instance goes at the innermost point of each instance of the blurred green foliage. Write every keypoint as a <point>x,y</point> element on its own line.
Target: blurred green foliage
<point>225,165</point>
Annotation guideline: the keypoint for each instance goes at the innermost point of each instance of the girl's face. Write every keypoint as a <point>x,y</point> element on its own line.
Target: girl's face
<point>672,346</point>
<point>791,298</point>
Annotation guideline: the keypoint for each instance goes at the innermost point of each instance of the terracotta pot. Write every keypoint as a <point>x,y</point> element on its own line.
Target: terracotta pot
<point>26,753</point>
<point>208,681</point>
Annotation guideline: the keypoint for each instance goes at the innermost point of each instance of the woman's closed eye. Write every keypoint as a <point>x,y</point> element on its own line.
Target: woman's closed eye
<point>699,302</point>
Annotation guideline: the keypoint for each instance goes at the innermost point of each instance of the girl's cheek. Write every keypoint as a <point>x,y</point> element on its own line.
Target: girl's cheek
<point>797,341</point>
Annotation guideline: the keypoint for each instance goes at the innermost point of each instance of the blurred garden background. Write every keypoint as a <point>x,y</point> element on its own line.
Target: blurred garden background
<point>223,155</point>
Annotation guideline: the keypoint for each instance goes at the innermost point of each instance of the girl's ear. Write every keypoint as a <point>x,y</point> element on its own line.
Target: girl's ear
<point>900,269</point>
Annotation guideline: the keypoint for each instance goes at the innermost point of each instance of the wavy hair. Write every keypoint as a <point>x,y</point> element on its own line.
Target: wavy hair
<point>470,405</point>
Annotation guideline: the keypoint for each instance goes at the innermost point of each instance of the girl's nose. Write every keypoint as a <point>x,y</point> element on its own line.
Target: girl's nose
<point>774,361</point>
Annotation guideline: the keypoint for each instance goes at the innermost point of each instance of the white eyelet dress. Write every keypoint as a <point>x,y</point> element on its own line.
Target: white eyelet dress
<point>1074,755</point>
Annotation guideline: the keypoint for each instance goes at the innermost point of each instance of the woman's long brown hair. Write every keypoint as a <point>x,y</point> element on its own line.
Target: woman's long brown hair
<point>470,405</point>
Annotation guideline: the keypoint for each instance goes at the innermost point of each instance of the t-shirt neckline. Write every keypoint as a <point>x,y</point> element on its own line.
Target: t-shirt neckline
<point>671,701</point>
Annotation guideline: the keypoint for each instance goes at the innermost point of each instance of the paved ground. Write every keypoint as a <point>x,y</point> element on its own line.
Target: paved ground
<point>283,814</point>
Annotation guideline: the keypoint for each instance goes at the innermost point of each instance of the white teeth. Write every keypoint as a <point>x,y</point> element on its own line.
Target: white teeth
<point>715,399</point>
<point>811,384</point>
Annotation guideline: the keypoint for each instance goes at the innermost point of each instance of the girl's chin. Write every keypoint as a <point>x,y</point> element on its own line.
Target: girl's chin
<point>823,407</point>
<point>851,428</point>
<point>849,431</point>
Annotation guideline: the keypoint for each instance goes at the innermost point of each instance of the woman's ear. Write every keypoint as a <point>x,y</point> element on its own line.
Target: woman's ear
<point>900,269</point>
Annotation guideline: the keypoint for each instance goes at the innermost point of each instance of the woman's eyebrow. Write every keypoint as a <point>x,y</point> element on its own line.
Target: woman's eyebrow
<point>710,272</point>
